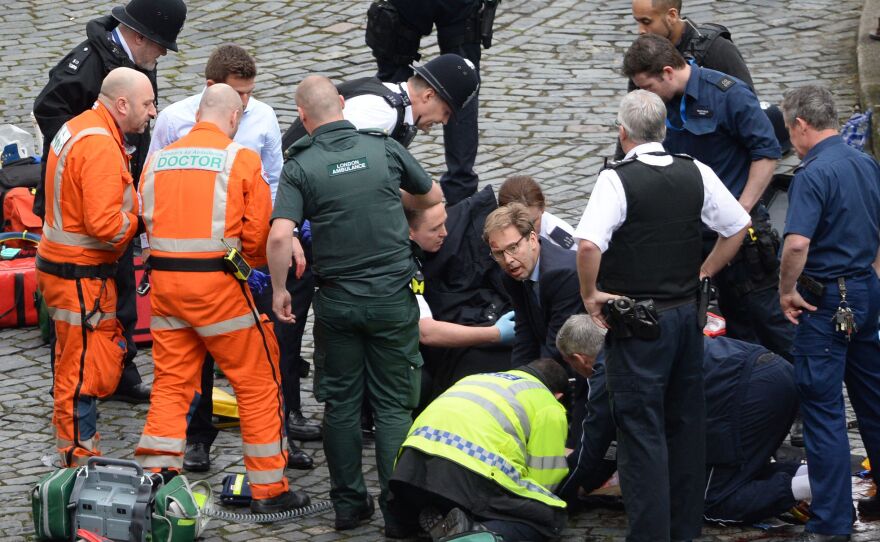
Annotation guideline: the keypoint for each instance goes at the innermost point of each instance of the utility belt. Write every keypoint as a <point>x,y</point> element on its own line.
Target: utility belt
<point>233,263</point>
<point>756,265</point>
<point>72,271</point>
<point>640,319</point>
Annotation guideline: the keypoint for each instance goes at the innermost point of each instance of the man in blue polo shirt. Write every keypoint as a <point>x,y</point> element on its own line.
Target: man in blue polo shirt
<point>829,286</point>
<point>718,120</point>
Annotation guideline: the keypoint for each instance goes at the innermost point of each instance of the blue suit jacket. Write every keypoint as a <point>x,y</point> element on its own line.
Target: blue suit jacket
<point>559,293</point>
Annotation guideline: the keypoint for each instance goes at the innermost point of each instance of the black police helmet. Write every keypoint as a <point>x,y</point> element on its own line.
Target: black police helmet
<point>454,78</point>
<point>157,20</point>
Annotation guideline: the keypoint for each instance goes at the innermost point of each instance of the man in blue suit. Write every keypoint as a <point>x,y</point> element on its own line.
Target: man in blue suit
<point>540,278</point>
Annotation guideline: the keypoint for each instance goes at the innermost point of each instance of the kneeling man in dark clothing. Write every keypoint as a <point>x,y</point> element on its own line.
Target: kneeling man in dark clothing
<point>751,399</point>
<point>491,449</point>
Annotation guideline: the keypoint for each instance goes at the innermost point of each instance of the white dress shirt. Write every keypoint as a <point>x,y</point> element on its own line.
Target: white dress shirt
<point>258,131</point>
<point>606,210</point>
<point>371,111</point>
<point>549,223</point>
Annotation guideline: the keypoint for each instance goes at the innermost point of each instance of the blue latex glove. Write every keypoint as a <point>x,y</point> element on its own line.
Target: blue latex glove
<point>306,233</point>
<point>505,327</point>
<point>258,281</point>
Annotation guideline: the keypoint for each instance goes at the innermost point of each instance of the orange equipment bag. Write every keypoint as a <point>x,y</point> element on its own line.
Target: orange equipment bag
<point>18,286</point>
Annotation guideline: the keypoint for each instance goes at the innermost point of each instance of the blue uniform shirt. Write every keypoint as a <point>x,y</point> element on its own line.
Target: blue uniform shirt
<point>834,200</point>
<point>722,125</point>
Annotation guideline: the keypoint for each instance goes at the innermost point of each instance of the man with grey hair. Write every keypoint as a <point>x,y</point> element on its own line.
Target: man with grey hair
<point>829,270</point>
<point>580,340</point>
<point>640,249</point>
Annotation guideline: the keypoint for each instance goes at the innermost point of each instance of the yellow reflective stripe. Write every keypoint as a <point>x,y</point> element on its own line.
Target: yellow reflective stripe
<point>265,476</point>
<point>59,170</point>
<point>494,411</point>
<point>218,210</point>
<point>162,444</point>
<point>167,244</point>
<point>160,461</point>
<point>546,462</point>
<point>167,322</point>
<point>244,321</point>
<point>75,318</point>
<point>264,450</point>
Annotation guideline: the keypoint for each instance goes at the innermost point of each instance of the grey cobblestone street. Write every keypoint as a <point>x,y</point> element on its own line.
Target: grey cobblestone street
<point>548,101</point>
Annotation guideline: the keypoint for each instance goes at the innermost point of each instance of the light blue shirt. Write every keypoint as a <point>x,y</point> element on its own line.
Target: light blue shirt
<point>258,131</point>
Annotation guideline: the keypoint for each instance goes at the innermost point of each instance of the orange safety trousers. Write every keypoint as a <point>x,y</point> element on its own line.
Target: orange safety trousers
<point>89,348</point>
<point>199,312</point>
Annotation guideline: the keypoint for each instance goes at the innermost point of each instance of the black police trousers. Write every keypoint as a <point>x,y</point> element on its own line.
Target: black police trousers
<point>756,489</point>
<point>201,428</point>
<point>656,393</point>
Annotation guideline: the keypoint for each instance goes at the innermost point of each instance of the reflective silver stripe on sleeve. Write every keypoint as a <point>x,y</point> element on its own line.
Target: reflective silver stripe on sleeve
<point>119,235</point>
<point>74,239</point>
<point>75,318</point>
<point>494,411</point>
<point>148,195</point>
<point>265,476</point>
<point>264,450</point>
<point>547,462</point>
<point>167,322</point>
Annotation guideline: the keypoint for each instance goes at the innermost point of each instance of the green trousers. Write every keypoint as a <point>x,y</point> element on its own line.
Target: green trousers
<point>365,345</point>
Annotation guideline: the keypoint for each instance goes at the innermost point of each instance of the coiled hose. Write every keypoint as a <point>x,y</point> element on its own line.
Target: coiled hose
<point>278,517</point>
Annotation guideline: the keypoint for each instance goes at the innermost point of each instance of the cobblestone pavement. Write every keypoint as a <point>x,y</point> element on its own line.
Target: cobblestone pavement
<point>550,92</point>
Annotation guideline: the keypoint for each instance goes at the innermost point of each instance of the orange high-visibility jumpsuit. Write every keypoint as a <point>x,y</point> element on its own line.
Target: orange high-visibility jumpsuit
<point>201,194</point>
<point>91,215</point>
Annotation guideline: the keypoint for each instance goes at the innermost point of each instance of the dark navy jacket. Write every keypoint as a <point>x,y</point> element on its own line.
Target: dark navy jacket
<point>727,366</point>
<point>559,295</point>
<point>722,125</point>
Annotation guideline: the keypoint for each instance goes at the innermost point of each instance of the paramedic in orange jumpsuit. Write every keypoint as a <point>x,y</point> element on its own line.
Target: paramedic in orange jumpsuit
<point>202,195</point>
<point>91,215</point>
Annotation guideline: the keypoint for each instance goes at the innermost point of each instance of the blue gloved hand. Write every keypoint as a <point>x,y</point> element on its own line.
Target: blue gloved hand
<point>258,281</point>
<point>505,327</point>
<point>306,233</point>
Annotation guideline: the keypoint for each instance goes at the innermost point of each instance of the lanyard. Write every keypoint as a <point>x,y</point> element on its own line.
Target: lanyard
<point>682,107</point>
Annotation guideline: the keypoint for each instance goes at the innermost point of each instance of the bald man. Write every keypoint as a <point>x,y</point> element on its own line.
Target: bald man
<point>347,183</point>
<point>88,169</point>
<point>205,200</point>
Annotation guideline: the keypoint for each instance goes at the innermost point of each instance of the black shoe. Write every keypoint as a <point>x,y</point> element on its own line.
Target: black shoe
<point>137,394</point>
<point>816,537</point>
<point>282,503</point>
<point>797,433</point>
<point>299,428</point>
<point>870,507</point>
<point>351,520</point>
<point>197,457</point>
<point>299,459</point>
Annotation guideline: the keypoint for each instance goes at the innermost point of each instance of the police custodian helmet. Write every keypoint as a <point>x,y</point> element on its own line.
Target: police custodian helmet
<point>157,20</point>
<point>453,77</point>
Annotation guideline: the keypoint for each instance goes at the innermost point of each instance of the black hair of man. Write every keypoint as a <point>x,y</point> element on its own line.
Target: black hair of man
<point>649,54</point>
<point>549,372</point>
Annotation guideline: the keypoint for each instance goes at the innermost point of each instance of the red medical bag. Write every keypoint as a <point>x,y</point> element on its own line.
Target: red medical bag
<point>142,333</point>
<point>18,284</point>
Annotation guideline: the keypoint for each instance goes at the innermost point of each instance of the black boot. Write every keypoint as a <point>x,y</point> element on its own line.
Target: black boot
<point>197,457</point>
<point>281,503</point>
<point>299,459</point>
<point>351,520</point>
<point>299,428</point>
